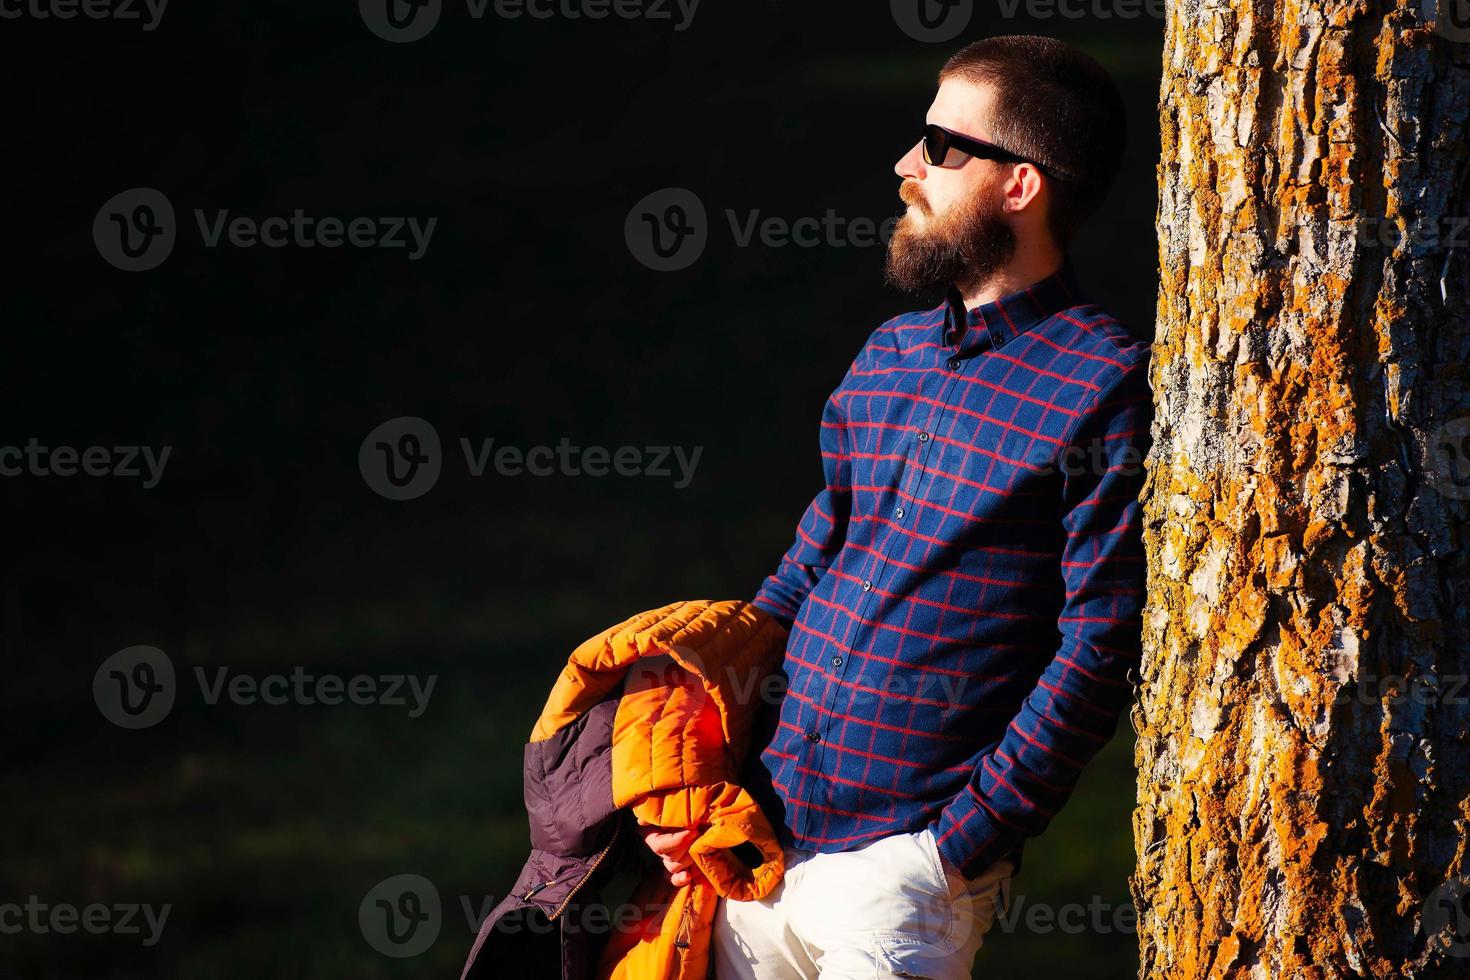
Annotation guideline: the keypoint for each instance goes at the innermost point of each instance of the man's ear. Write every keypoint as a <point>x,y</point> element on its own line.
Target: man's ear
<point>1022,188</point>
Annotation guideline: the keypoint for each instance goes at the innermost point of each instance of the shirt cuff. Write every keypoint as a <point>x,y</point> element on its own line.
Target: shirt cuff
<point>968,838</point>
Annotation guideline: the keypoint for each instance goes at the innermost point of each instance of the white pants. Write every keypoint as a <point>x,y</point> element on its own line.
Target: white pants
<point>882,910</point>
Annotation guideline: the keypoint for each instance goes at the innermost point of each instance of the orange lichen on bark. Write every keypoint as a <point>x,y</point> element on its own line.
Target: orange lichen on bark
<point>1266,580</point>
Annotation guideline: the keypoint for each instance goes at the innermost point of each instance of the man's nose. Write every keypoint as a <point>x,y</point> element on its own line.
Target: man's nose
<point>911,165</point>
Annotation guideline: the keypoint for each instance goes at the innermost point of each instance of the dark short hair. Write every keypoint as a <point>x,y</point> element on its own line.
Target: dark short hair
<point>1056,106</point>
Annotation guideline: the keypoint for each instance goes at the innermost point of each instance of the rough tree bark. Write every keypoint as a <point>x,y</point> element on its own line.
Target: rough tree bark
<point>1304,736</point>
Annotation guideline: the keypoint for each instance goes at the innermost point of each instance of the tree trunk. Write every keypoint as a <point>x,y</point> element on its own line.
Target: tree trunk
<point>1304,735</point>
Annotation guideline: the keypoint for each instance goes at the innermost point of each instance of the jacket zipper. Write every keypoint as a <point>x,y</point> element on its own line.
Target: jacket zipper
<point>683,934</point>
<point>595,862</point>
<point>536,888</point>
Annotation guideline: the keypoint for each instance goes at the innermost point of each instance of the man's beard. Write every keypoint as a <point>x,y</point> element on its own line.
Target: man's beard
<point>965,247</point>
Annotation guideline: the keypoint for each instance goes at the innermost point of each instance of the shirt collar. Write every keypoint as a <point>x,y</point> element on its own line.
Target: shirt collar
<point>995,323</point>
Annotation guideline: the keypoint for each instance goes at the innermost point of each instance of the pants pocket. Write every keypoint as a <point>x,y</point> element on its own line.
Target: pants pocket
<point>931,851</point>
<point>934,913</point>
<point>912,958</point>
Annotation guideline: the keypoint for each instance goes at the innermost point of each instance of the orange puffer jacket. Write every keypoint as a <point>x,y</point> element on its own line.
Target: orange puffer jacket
<point>648,720</point>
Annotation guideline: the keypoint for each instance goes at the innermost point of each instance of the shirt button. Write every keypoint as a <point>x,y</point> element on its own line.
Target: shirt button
<point>953,364</point>
<point>836,661</point>
<point>923,437</point>
<point>813,736</point>
<point>867,586</point>
<point>898,512</point>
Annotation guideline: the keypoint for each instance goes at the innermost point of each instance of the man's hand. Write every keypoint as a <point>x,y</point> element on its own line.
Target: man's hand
<point>671,845</point>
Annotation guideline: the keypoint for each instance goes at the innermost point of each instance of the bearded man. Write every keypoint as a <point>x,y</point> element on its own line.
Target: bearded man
<point>963,595</point>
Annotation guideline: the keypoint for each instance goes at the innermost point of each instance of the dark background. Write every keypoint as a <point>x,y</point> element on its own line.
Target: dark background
<point>528,320</point>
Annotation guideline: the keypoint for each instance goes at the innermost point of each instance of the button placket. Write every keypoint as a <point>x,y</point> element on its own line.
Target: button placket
<point>922,454</point>
<point>925,447</point>
<point>924,450</point>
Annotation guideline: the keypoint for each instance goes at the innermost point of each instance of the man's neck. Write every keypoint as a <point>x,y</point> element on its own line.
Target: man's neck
<point>1027,266</point>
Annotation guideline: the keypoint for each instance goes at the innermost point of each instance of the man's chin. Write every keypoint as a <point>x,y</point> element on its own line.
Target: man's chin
<point>911,268</point>
<point>911,234</point>
<point>913,219</point>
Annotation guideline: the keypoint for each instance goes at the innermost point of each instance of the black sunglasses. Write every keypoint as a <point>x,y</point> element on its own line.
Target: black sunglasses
<point>938,141</point>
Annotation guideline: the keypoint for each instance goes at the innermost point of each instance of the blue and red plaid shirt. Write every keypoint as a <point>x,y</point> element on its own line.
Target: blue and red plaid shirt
<point>964,595</point>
